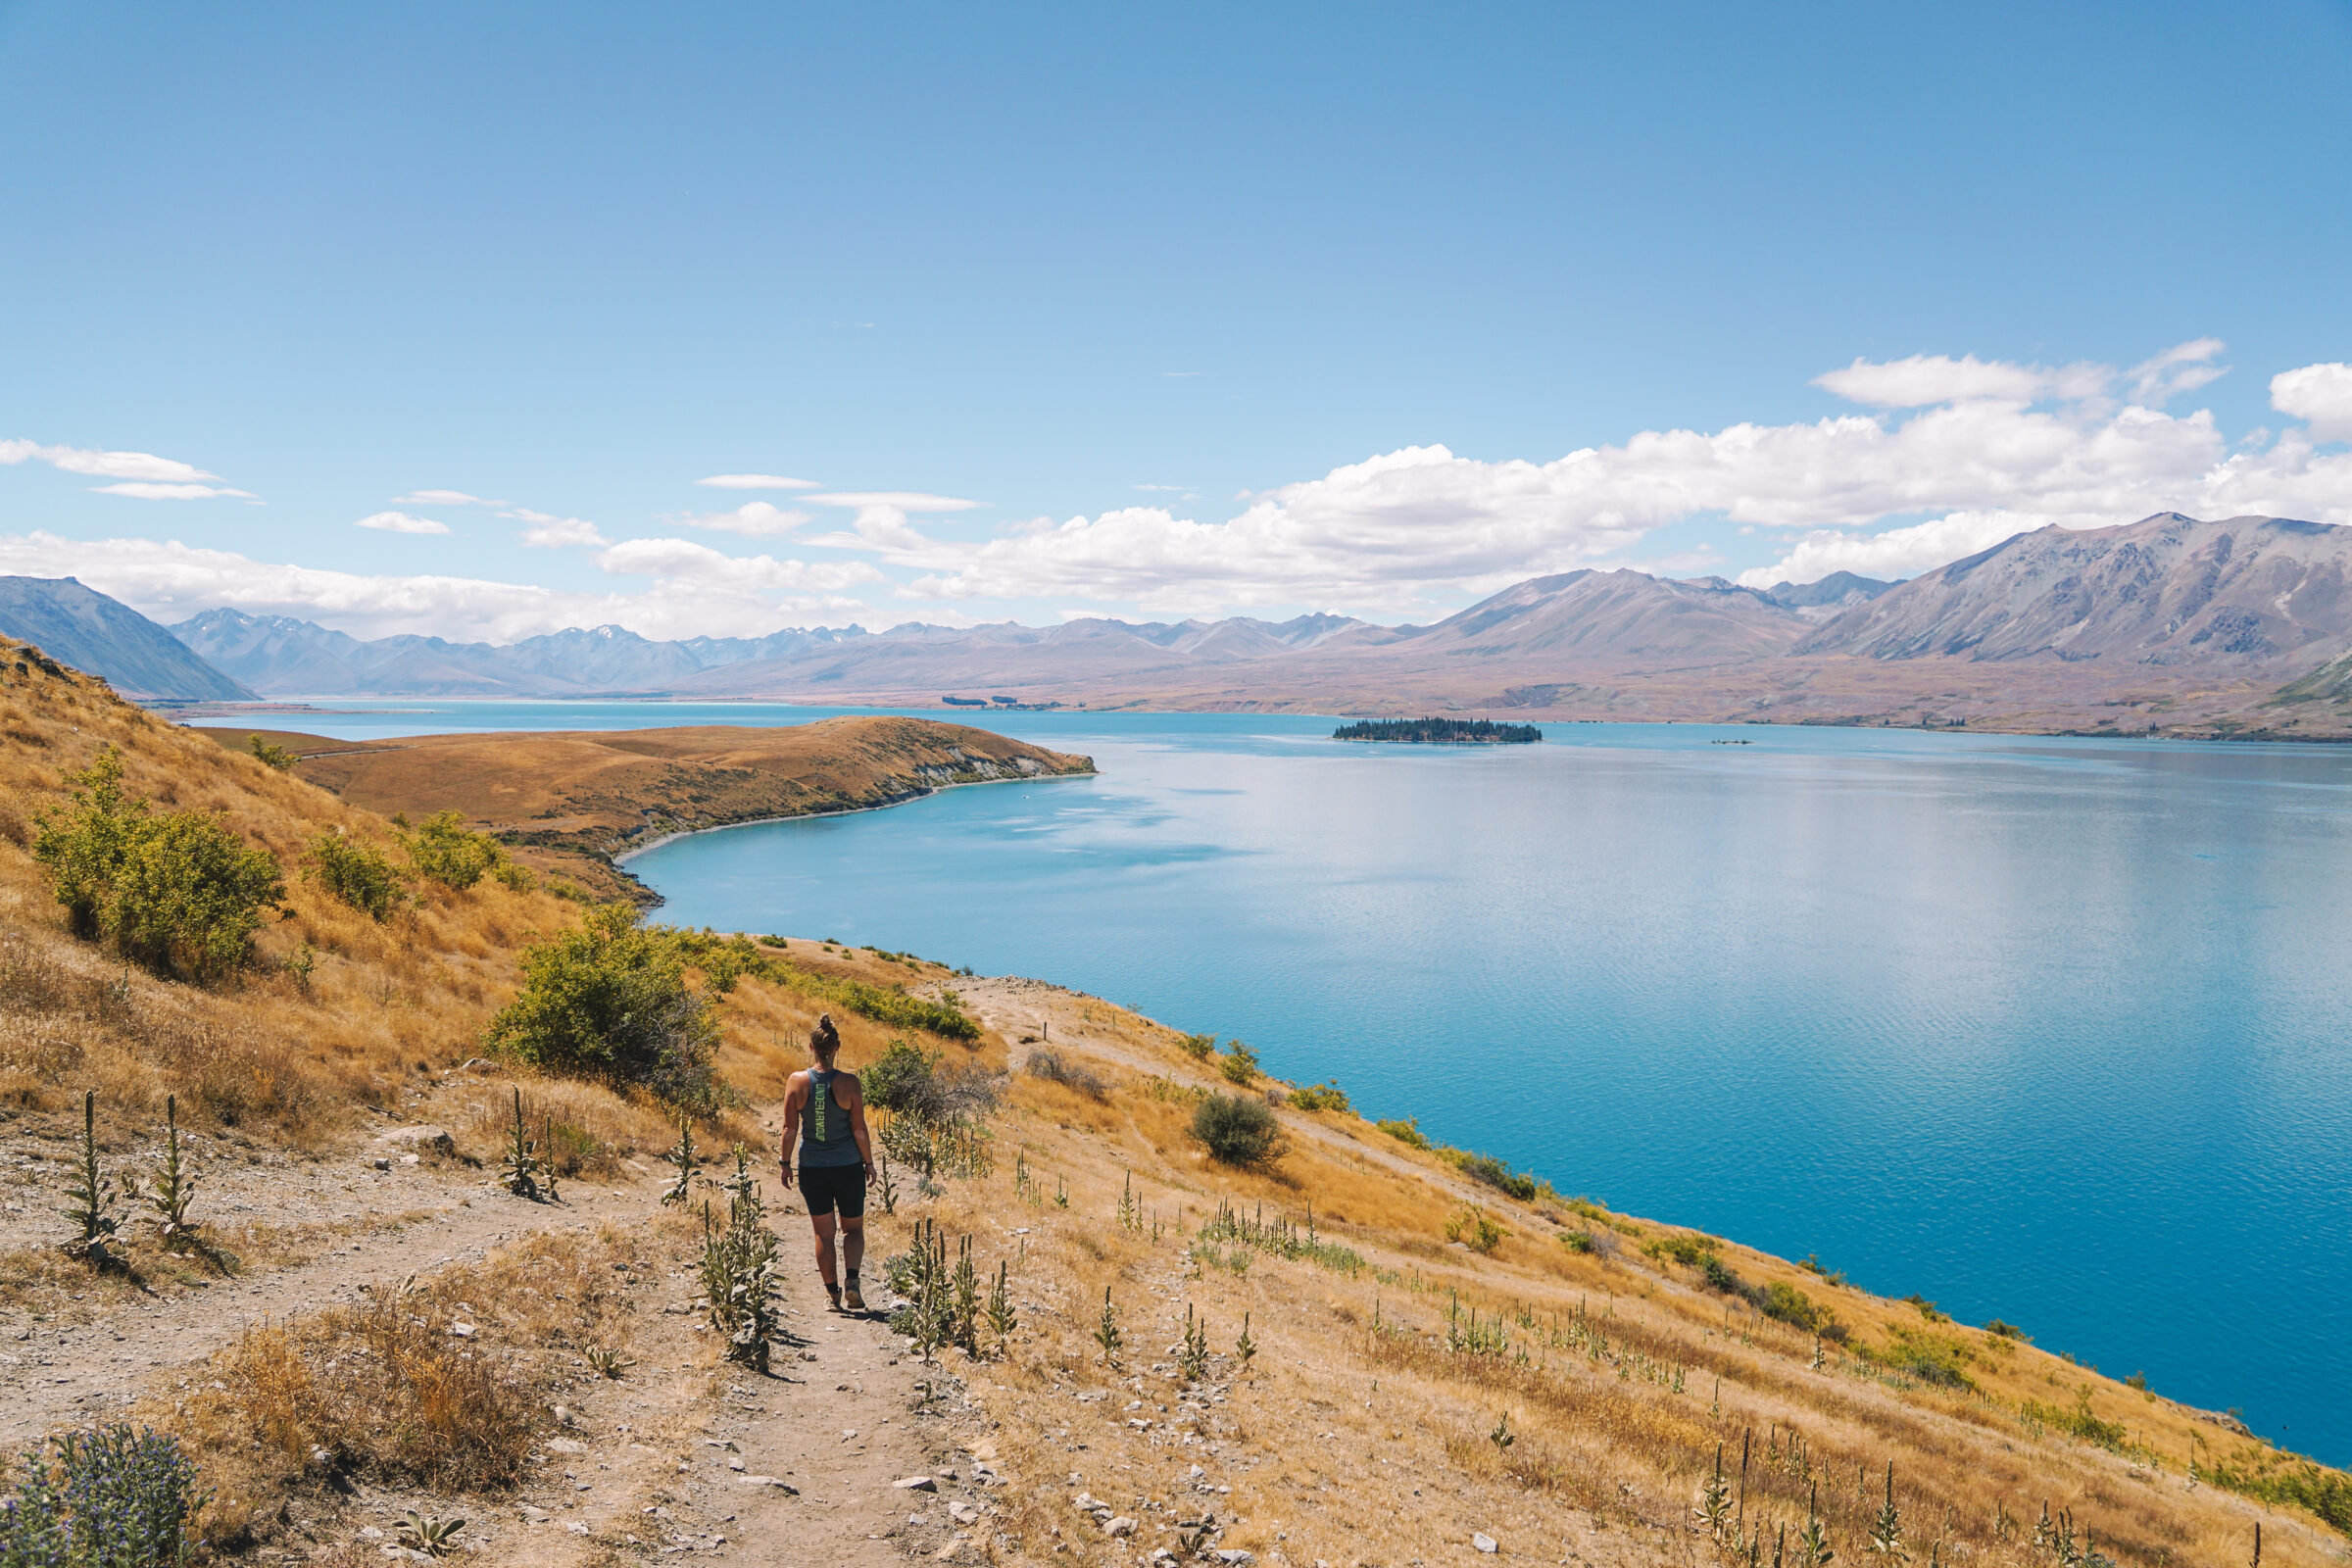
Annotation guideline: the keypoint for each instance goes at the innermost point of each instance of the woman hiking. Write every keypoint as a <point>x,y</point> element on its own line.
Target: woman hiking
<point>825,1111</point>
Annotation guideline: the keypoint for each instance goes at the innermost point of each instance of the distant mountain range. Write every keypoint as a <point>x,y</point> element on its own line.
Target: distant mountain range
<point>84,628</point>
<point>2168,623</point>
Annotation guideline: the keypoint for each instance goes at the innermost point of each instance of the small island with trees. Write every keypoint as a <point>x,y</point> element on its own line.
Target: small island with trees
<point>1438,732</point>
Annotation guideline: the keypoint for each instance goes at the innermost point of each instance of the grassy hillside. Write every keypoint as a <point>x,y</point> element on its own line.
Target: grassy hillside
<point>573,801</point>
<point>1442,1348</point>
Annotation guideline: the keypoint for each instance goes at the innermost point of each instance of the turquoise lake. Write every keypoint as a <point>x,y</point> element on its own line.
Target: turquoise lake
<point>2056,1031</point>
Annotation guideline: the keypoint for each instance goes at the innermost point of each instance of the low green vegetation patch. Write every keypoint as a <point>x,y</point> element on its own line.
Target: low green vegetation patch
<point>443,849</point>
<point>1438,732</point>
<point>1238,1129</point>
<point>1321,1097</point>
<point>725,960</point>
<point>1489,1171</point>
<point>1408,1130</point>
<point>2283,1479</point>
<point>2078,1422</point>
<point>177,892</point>
<point>1941,1360</point>
<point>355,871</point>
<point>610,1000</point>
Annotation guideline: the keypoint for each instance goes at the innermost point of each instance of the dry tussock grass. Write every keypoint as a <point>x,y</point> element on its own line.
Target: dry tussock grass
<point>1369,1443</point>
<point>391,1392</point>
<point>266,1048</point>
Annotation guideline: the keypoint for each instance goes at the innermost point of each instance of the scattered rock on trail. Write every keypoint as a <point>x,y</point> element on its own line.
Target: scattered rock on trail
<point>1485,1543</point>
<point>917,1484</point>
<point>436,1139</point>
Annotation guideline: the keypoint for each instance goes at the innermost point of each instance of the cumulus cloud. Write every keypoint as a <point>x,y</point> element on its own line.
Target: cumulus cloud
<point>171,581</point>
<point>684,560</point>
<point>754,519</point>
<point>755,481</point>
<point>400,522</point>
<point>1957,455</point>
<point>546,532</point>
<point>2319,395</point>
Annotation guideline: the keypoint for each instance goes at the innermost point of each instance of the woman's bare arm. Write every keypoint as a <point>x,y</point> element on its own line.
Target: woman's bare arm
<point>794,1089</point>
<point>856,1109</point>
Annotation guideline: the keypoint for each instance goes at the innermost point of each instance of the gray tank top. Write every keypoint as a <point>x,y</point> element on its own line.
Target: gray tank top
<point>825,1137</point>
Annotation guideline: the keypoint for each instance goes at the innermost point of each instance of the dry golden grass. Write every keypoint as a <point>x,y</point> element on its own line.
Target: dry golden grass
<point>392,1392</point>
<point>1358,1434</point>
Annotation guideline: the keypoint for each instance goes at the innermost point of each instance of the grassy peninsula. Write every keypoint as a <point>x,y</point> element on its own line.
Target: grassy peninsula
<point>469,1241</point>
<point>573,802</point>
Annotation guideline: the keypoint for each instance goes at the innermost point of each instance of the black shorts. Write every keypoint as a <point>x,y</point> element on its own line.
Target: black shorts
<point>834,1187</point>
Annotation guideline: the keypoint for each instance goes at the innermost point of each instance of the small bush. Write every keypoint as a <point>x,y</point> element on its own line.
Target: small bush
<point>1321,1097</point>
<point>1688,1248</point>
<point>1475,1229</point>
<point>442,849</point>
<point>2008,1331</point>
<point>1582,1241</point>
<point>902,1078</point>
<point>1408,1130</point>
<point>610,1000</point>
<point>1237,1130</point>
<point>178,891</point>
<point>1492,1172</point>
<point>1056,1068</point>
<point>1934,1358</point>
<point>276,758</point>
<point>1198,1047</point>
<point>360,874</point>
<point>116,1497</point>
<point>1240,1064</point>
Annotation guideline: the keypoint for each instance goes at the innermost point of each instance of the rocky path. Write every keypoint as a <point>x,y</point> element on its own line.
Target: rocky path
<point>683,1457</point>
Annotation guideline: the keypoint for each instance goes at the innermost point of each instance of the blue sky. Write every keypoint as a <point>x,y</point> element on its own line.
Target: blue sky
<point>1181,300</point>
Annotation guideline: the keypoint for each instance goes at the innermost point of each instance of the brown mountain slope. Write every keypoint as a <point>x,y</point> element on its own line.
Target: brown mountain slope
<point>2168,591</point>
<point>579,798</point>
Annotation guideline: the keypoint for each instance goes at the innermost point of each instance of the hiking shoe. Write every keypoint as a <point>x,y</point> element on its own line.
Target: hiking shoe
<point>833,1293</point>
<point>852,1301</point>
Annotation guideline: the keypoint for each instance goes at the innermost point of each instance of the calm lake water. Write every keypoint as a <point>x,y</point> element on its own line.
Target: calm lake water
<point>2054,1031</point>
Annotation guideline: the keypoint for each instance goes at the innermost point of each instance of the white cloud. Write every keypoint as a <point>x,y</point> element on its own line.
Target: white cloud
<point>400,522</point>
<point>755,481</point>
<point>682,560</point>
<point>102,464</point>
<point>2183,368</point>
<point>1965,453</point>
<point>549,532</point>
<point>754,519</point>
<point>147,490</point>
<point>2319,395</point>
<point>1924,379</point>
<point>442,498</point>
<point>709,596</point>
<point>902,500</point>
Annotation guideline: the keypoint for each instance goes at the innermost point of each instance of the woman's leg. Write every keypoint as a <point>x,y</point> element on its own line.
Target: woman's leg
<point>824,1249</point>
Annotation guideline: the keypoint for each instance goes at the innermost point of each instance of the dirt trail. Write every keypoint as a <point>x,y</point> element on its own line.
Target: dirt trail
<point>668,1461</point>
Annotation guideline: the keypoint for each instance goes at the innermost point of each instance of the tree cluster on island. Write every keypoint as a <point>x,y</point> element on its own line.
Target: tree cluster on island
<point>1438,732</point>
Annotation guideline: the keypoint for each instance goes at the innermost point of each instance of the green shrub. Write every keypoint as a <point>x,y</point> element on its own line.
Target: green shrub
<point>276,758</point>
<point>1475,1229</point>
<point>1237,1130</point>
<point>1795,1309</point>
<point>2077,1422</point>
<point>2008,1331</point>
<point>1321,1097</point>
<point>442,849</point>
<point>725,960</point>
<point>1690,1248</point>
<point>1492,1172</point>
<point>610,1000</point>
<point>902,1078</point>
<point>1240,1065</point>
<point>1408,1130</point>
<point>178,891</point>
<point>358,873</point>
<point>1579,1241</point>
<point>1198,1047</point>
<point>1935,1358</point>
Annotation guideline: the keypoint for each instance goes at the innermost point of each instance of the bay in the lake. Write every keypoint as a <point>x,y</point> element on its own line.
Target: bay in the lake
<point>2051,1030</point>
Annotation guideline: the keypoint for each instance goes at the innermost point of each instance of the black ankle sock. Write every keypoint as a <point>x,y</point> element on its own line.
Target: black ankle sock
<point>853,1279</point>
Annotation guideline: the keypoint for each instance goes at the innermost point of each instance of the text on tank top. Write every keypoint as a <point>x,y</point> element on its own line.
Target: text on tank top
<point>825,1136</point>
